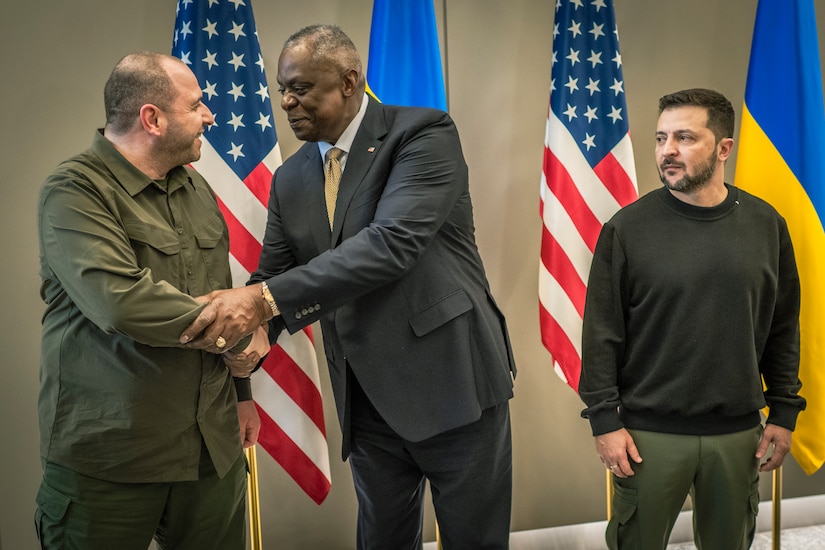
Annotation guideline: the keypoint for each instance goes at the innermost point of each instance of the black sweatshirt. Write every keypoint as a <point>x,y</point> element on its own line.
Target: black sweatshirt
<point>686,307</point>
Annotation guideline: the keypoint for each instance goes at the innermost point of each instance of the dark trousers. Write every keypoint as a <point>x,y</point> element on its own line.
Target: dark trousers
<point>469,470</point>
<point>77,512</point>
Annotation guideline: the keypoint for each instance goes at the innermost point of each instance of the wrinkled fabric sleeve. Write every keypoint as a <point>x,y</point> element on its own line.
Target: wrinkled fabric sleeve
<point>90,254</point>
<point>603,334</point>
<point>779,363</point>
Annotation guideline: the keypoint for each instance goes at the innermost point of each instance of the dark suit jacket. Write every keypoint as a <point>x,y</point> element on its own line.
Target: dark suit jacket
<point>398,286</point>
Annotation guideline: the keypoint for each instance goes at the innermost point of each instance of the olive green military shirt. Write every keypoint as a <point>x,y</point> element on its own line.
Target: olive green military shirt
<point>121,257</point>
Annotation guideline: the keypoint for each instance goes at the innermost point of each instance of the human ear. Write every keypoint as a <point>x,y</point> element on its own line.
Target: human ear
<point>725,148</point>
<point>350,82</point>
<point>151,119</point>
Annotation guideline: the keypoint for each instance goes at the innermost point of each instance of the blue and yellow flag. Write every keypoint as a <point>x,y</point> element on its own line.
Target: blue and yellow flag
<point>782,143</point>
<point>404,64</point>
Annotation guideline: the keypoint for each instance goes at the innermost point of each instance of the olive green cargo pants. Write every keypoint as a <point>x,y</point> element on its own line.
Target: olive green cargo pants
<point>720,472</point>
<point>76,512</point>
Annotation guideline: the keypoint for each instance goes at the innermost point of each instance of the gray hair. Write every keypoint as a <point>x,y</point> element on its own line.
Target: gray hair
<point>329,45</point>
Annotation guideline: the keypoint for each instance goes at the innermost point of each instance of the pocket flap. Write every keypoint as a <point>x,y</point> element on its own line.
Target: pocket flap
<point>156,237</point>
<point>624,503</point>
<point>52,502</point>
<point>441,312</point>
<point>209,235</point>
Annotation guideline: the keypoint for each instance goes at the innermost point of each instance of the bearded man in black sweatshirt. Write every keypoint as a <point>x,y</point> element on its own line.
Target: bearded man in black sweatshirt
<point>692,301</point>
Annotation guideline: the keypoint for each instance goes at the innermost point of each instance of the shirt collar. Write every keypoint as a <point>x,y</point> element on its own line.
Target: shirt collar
<point>348,136</point>
<point>127,174</point>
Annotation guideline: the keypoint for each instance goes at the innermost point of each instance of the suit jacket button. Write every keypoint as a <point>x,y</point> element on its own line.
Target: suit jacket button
<point>298,315</point>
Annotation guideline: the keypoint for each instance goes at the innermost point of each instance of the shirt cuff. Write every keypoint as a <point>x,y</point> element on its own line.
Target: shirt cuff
<point>242,344</point>
<point>243,387</point>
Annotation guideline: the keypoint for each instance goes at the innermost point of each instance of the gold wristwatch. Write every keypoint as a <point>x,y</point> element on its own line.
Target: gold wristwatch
<point>267,295</point>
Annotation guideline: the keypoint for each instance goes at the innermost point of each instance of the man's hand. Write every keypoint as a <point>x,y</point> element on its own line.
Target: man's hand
<point>242,364</point>
<point>228,316</point>
<point>614,448</point>
<point>780,438</point>
<point>250,423</point>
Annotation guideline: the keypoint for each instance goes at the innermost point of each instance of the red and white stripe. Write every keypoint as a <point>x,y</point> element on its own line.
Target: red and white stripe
<point>576,200</point>
<point>286,389</point>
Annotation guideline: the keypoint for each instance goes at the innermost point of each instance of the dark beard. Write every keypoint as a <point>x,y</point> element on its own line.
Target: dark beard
<point>688,183</point>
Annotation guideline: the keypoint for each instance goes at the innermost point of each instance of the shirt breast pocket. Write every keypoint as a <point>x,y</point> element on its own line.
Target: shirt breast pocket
<point>158,250</point>
<point>213,247</point>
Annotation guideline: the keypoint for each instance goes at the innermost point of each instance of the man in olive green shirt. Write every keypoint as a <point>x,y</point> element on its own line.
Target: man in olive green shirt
<point>139,436</point>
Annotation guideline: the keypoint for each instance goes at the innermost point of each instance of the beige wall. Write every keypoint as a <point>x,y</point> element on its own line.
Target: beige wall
<point>55,57</point>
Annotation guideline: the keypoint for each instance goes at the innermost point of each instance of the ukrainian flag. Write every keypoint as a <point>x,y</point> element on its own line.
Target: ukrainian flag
<point>782,146</point>
<point>404,63</point>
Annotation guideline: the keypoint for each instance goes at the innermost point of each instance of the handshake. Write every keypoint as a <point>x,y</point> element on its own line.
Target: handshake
<point>234,324</point>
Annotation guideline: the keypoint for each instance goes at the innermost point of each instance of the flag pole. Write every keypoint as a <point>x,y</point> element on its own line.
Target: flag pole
<point>253,501</point>
<point>446,58</point>
<point>776,486</point>
<point>609,492</point>
<point>438,543</point>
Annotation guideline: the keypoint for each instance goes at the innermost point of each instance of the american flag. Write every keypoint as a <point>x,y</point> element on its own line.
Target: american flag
<point>588,171</point>
<point>218,40</point>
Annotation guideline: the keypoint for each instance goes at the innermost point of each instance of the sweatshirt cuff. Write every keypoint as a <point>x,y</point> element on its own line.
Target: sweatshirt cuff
<point>604,422</point>
<point>783,415</point>
<point>243,387</point>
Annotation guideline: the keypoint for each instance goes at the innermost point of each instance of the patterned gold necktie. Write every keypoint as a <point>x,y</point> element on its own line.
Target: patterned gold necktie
<point>332,177</point>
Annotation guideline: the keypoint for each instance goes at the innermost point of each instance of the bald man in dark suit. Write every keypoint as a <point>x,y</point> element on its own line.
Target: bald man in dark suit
<point>418,352</point>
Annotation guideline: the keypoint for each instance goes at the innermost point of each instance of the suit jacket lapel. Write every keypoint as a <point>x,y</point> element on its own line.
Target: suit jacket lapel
<point>365,148</point>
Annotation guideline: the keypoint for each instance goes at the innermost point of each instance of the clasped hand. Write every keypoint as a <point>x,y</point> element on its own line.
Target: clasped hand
<point>242,363</point>
<point>229,315</point>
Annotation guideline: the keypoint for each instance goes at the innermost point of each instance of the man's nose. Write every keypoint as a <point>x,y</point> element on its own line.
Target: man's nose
<point>670,147</point>
<point>208,117</point>
<point>288,101</point>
